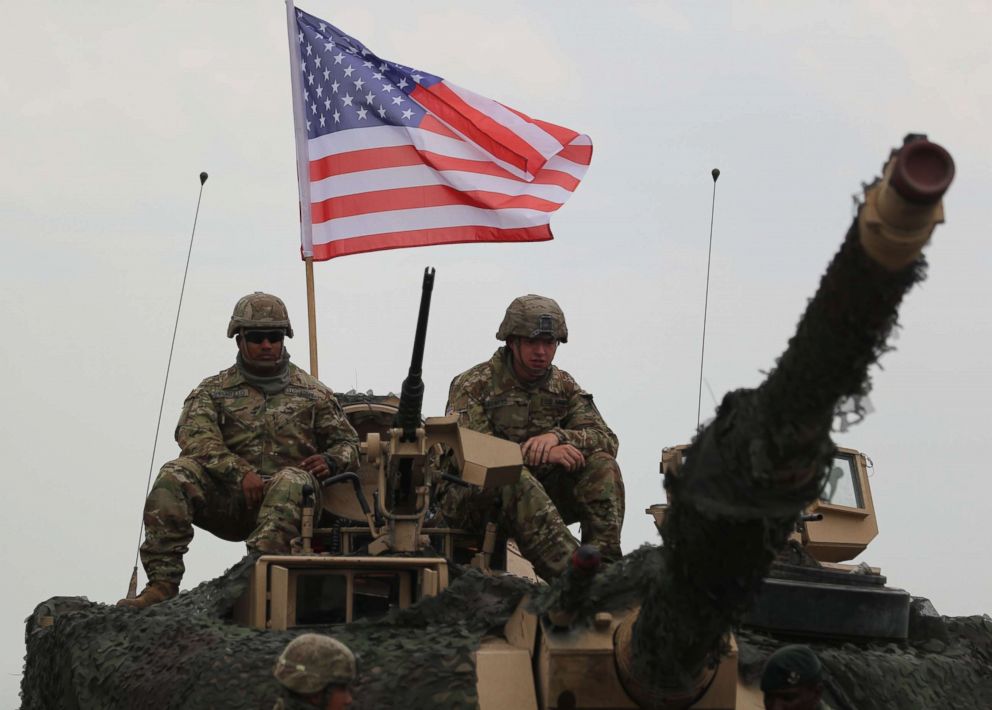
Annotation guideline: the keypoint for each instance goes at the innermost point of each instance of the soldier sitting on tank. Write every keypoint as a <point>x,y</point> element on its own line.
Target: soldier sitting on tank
<point>793,680</point>
<point>251,438</point>
<point>520,396</point>
<point>318,670</point>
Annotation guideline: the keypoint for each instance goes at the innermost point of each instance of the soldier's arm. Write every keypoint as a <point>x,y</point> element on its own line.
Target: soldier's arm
<point>336,437</point>
<point>198,435</point>
<point>584,428</point>
<point>468,406</point>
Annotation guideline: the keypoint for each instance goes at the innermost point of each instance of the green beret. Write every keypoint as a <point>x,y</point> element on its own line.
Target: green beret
<point>789,667</point>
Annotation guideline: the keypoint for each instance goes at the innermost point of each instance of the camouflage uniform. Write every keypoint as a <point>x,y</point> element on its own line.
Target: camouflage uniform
<point>228,429</point>
<point>489,398</point>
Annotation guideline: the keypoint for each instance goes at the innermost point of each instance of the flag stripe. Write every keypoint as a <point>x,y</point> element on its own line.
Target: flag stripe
<point>426,140</point>
<point>485,132</point>
<point>520,124</point>
<point>426,218</point>
<point>391,136</point>
<point>427,196</point>
<point>399,156</point>
<point>554,186</point>
<point>573,161</point>
<point>563,135</point>
<point>581,154</point>
<point>429,123</point>
<point>430,237</point>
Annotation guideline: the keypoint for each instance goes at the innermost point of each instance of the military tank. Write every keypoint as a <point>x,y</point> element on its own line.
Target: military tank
<point>661,628</point>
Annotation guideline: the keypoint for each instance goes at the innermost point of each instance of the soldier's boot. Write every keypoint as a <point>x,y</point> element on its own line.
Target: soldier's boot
<point>153,593</point>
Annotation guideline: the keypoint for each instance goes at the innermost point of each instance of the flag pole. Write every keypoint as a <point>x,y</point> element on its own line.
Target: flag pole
<point>302,176</point>
<point>311,316</point>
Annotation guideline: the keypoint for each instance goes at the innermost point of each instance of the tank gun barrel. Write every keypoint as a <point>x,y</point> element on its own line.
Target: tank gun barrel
<point>408,415</point>
<point>748,475</point>
<point>847,323</point>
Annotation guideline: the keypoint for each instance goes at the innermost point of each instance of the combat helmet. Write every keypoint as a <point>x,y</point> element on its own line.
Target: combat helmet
<point>259,310</point>
<point>529,316</point>
<point>311,662</point>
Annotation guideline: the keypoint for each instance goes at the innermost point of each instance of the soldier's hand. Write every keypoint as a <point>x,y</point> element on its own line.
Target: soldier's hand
<point>254,489</point>
<point>317,465</point>
<point>567,456</point>
<point>537,448</point>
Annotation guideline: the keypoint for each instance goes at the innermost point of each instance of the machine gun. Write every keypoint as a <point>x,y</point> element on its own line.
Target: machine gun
<point>387,559</point>
<point>405,479</point>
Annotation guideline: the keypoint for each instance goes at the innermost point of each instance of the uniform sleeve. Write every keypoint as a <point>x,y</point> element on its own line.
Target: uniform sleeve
<point>336,437</point>
<point>199,437</point>
<point>584,428</point>
<point>468,406</point>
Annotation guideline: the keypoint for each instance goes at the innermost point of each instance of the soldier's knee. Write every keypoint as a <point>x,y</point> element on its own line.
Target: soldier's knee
<point>178,482</point>
<point>166,505</point>
<point>527,482</point>
<point>292,476</point>
<point>527,490</point>
<point>603,465</point>
<point>601,476</point>
<point>180,471</point>
<point>287,486</point>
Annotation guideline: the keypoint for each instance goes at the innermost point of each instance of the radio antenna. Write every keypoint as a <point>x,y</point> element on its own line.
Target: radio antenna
<point>132,589</point>
<point>706,302</point>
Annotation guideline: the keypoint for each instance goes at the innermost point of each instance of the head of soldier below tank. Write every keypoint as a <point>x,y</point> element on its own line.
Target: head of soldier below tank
<point>319,670</point>
<point>259,324</point>
<point>532,328</point>
<point>793,679</point>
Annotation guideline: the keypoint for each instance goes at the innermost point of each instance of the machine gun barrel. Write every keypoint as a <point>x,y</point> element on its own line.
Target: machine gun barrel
<point>412,394</point>
<point>749,474</point>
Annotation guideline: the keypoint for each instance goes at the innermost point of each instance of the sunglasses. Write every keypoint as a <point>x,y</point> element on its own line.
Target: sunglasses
<point>258,336</point>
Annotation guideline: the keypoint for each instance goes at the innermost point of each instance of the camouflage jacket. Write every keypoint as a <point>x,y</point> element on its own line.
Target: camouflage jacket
<point>489,398</point>
<point>231,428</point>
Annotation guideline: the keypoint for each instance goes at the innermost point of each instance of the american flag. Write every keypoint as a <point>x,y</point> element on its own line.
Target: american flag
<point>397,157</point>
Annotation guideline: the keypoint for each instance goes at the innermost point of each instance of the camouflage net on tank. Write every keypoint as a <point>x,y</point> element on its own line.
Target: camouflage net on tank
<point>185,653</point>
<point>945,663</point>
<point>765,456</point>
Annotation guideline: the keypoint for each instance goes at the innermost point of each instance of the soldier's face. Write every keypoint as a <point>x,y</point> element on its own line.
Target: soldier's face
<point>532,356</point>
<point>261,349</point>
<point>798,698</point>
<point>339,699</point>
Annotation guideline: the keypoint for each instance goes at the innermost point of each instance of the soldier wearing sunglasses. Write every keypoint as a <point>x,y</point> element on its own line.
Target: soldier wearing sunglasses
<point>251,437</point>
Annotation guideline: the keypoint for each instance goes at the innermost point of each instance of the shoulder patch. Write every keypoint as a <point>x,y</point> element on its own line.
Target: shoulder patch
<point>588,398</point>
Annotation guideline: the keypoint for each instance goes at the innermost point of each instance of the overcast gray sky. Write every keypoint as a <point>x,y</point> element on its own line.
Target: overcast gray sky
<point>112,109</point>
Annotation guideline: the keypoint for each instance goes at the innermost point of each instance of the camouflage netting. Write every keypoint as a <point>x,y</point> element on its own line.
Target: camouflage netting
<point>946,663</point>
<point>185,654</point>
<point>749,473</point>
